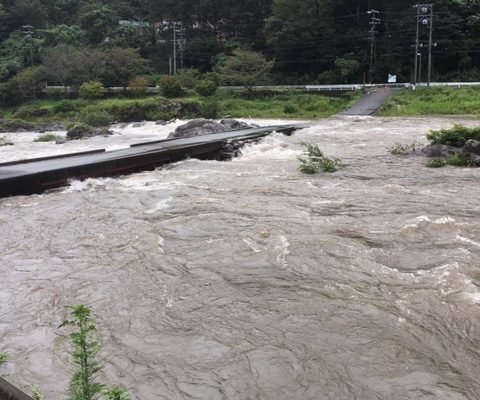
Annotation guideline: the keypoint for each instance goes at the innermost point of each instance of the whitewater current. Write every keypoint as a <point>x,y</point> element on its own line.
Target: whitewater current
<point>248,280</point>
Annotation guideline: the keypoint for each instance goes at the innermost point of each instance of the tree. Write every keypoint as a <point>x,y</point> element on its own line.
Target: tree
<point>31,81</point>
<point>63,35</point>
<point>59,64</point>
<point>348,67</point>
<point>121,65</point>
<point>245,68</point>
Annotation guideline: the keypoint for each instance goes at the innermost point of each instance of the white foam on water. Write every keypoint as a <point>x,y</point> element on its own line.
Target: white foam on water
<point>161,205</point>
<point>467,240</point>
<point>271,147</point>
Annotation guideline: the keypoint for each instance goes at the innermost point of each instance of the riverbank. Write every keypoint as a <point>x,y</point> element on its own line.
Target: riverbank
<point>434,101</point>
<point>53,115</point>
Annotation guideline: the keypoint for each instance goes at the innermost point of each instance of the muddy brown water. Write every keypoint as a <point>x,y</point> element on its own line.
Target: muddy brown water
<point>248,280</point>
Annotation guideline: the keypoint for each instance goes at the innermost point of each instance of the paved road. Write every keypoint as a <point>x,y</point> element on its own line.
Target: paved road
<point>371,102</point>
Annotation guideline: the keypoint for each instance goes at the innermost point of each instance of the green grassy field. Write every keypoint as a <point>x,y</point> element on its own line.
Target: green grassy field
<point>282,105</point>
<point>434,101</point>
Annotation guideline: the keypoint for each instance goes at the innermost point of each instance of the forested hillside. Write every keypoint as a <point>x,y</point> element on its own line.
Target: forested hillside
<point>311,41</point>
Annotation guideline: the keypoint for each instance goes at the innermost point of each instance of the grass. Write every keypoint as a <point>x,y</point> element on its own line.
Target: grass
<point>284,105</point>
<point>288,105</point>
<point>434,101</point>
<point>436,163</point>
<point>48,137</point>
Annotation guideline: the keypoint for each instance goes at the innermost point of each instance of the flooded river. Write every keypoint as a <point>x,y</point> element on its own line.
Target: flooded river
<point>248,280</point>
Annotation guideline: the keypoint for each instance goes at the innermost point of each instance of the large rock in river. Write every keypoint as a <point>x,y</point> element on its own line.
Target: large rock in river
<point>440,150</point>
<point>472,147</point>
<point>202,126</point>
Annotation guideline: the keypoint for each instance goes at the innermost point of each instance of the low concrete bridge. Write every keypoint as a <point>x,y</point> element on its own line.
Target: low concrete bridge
<point>373,100</point>
<point>37,175</point>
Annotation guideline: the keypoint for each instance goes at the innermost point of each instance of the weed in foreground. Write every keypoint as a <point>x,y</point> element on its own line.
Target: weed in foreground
<point>85,348</point>
<point>313,160</point>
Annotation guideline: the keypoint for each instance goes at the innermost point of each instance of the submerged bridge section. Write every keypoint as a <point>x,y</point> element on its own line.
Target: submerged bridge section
<point>37,175</point>
<point>11,392</point>
<point>372,101</point>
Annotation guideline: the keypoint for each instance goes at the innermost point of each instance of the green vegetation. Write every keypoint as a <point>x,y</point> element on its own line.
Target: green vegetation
<point>95,118</point>
<point>170,86</point>
<point>436,163</point>
<point>434,101</point>
<point>237,104</point>
<point>460,160</point>
<point>3,360</point>
<point>456,136</point>
<point>48,137</point>
<point>85,349</point>
<point>313,160</point>
<point>91,90</point>
<point>206,87</point>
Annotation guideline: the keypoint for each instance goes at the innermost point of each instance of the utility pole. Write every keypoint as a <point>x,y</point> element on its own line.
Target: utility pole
<point>424,17</point>
<point>181,44</point>
<point>28,32</point>
<point>430,35</point>
<point>374,21</point>
<point>174,48</point>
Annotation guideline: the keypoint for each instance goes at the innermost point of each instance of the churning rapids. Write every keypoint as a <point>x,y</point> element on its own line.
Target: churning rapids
<point>248,280</point>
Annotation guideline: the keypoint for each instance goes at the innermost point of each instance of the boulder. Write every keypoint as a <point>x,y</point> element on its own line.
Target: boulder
<point>81,131</point>
<point>232,124</point>
<point>472,147</point>
<point>202,126</point>
<point>5,142</point>
<point>440,150</point>
<point>197,127</point>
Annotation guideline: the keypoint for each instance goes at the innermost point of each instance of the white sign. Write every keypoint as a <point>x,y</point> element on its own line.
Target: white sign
<point>392,78</point>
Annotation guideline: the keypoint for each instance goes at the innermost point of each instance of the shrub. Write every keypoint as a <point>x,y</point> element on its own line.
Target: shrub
<point>65,106</point>
<point>314,160</point>
<point>209,109</point>
<point>436,163</point>
<point>170,86</point>
<point>460,160</point>
<point>56,94</point>
<point>187,77</point>
<point>31,81</point>
<point>290,109</point>
<point>95,118</point>
<point>91,90</point>
<point>47,137</point>
<point>206,88</point>
<point>131,111</point>
<point>10,94</point>
<point>27,112</point>
<point>138,86</point>
<point>158,116</point>
<point>456,136</point>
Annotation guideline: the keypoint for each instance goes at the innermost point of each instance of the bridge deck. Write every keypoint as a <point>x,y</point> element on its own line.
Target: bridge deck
<point>36,176</point>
